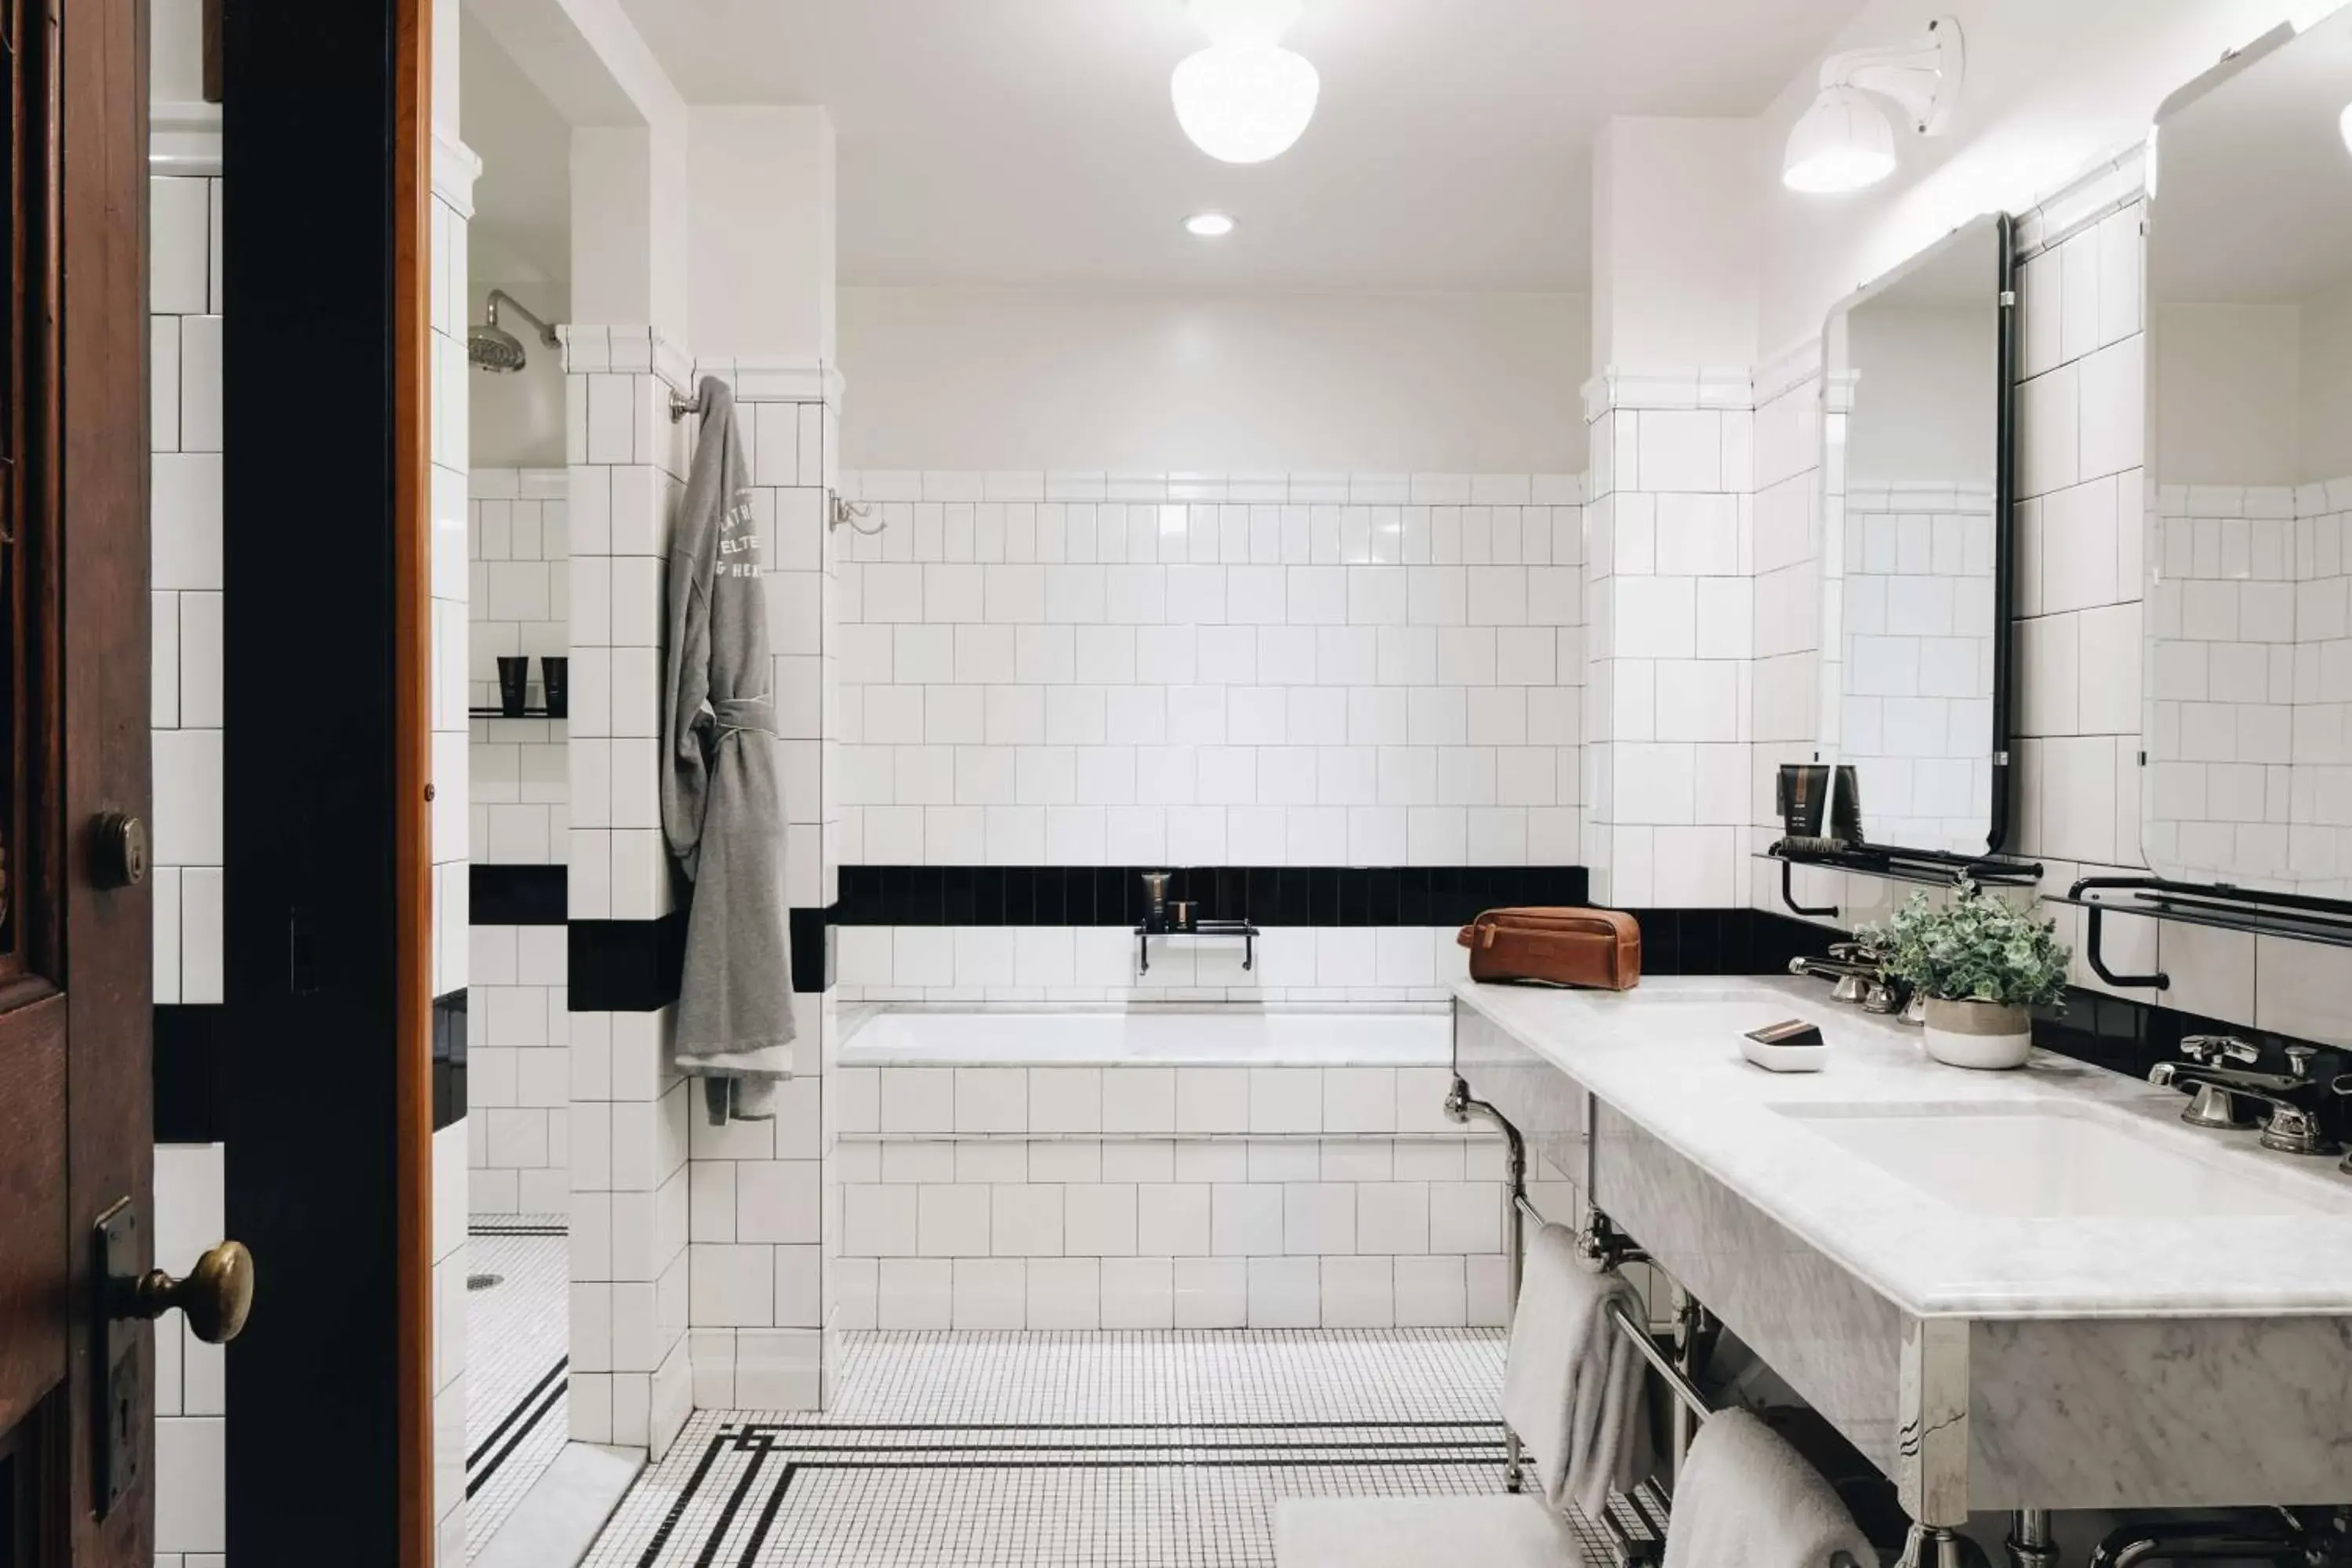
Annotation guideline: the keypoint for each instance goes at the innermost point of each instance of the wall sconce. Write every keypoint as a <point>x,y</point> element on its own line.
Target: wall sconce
<point>1843,141</point>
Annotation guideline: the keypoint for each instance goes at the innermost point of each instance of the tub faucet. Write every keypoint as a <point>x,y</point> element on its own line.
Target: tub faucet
<point>2221,1093</point>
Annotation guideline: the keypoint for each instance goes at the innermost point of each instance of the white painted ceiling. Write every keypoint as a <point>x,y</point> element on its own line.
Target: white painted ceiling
<point>2253,201</point>
<point>1032,141</point>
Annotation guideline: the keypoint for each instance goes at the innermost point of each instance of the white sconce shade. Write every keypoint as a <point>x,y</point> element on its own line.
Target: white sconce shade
<point>1245,103</point>
<point>2344,127</point>
<point>1842,143</point>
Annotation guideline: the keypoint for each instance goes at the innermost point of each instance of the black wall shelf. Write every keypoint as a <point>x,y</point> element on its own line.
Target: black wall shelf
<point>1922,868</point>
<point>2292,917</point>
<point>1146,931</point>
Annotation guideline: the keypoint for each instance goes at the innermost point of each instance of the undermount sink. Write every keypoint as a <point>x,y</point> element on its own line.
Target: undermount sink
<point>2028,1162</point>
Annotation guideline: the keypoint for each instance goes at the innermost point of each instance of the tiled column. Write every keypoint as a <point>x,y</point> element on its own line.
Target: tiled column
<point>763,1222</point>
<point>629,1109</point>
<point>183,378</point>
<point>1671,544</point>
<point>1793,684</point>
<point>453,169</point>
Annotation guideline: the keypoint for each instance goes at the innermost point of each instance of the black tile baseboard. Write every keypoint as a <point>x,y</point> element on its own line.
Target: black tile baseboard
<point>516,895</point>
<point>1268,895</point>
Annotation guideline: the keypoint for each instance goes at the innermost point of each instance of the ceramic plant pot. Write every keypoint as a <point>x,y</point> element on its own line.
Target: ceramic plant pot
<point>1979,1034</point>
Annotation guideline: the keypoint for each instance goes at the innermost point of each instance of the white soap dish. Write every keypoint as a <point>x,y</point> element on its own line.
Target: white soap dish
<point>1792,1047</point>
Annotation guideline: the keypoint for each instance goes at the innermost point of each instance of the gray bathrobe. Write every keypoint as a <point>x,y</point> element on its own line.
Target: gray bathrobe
<point>722,806</point>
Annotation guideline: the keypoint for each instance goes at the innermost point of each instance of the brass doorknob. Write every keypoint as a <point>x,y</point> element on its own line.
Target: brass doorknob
<point>216,1294</point>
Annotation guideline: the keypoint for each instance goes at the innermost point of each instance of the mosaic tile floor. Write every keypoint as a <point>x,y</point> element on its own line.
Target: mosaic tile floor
<point>516,1344</point>
<point>1071,1448</point>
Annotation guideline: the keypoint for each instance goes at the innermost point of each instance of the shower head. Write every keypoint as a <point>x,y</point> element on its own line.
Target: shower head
<point>492,348</point>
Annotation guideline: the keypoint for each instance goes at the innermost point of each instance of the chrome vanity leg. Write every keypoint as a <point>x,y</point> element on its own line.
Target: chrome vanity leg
<point>2029,1542</point>
<point>1461,1107</point>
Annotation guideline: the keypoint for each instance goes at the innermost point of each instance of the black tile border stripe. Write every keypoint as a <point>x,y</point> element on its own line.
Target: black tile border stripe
<point>1269,895</point>
<point>517,895</point>
<point>626,966</point>
<point>187,1071</point>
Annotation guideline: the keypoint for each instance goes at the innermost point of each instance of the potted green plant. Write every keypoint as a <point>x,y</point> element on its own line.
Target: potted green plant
<point>1980,962</point>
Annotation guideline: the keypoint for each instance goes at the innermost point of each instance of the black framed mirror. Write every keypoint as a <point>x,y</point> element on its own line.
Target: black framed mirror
<point>1916,678</point>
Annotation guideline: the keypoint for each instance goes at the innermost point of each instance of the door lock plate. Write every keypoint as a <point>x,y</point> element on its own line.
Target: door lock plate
<point>118,1372</point>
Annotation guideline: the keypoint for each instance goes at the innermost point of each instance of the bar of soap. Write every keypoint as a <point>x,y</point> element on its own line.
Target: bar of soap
<point>1794,1045</point>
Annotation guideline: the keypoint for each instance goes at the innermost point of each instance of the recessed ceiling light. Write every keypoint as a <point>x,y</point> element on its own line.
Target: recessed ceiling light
<point>1209,226</point>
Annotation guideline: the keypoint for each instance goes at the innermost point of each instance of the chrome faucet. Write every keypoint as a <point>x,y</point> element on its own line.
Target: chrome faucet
<point>1859,973</point>
<point>2221,1094</point>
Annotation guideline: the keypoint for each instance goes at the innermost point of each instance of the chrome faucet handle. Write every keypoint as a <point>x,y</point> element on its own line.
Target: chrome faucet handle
<point>2298,1061</point>
<point>2215,1049</point>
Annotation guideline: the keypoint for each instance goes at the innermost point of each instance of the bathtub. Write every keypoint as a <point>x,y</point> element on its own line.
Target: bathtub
<point>1203,1036</point>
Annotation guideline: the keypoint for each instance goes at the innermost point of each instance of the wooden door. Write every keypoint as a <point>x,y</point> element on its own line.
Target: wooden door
<point>76,932</point>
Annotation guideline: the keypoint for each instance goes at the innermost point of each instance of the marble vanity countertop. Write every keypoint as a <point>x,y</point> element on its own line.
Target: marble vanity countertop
<point>1666,1056</point>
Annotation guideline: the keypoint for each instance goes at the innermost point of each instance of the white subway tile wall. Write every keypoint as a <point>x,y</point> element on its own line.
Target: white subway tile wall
<point>519,1079</point>
<point>2249,772</point>
<point>1918,622</point>
<point>191,1376</point>
<point>518,538</point>
<point>185,370</point>
<point>1105,668</point>
<point>1099,963</point>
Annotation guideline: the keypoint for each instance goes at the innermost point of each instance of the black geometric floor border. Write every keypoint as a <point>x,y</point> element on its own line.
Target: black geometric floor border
<point>1253,1444</point>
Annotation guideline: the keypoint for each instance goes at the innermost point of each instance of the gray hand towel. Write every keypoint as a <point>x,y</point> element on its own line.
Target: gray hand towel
<point>1747,1499</point>
<point>1571,1381</point>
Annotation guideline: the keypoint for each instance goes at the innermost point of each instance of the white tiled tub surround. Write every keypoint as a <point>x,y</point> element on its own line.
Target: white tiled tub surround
<point>1098,964</point>
<point>2250,779</point>
<point>1671,612</point>
<point>518,539</point>
<point>1103,668</point>
<point>1244,1181</point>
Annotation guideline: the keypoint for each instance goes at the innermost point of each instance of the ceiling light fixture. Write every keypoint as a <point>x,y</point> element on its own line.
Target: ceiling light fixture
<point>1842,141</point>
<point>1209,226</point>
<point>1243,103</point>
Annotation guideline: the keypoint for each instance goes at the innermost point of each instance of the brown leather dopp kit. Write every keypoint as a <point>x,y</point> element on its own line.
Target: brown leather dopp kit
<point>1599,948</point>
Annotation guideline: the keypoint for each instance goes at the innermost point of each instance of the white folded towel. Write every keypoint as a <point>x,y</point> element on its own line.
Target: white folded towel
<point>1572,1382</point>
<point>1747,1499</point>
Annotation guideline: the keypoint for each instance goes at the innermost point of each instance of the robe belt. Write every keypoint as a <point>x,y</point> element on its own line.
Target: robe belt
<point>745,716</point>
